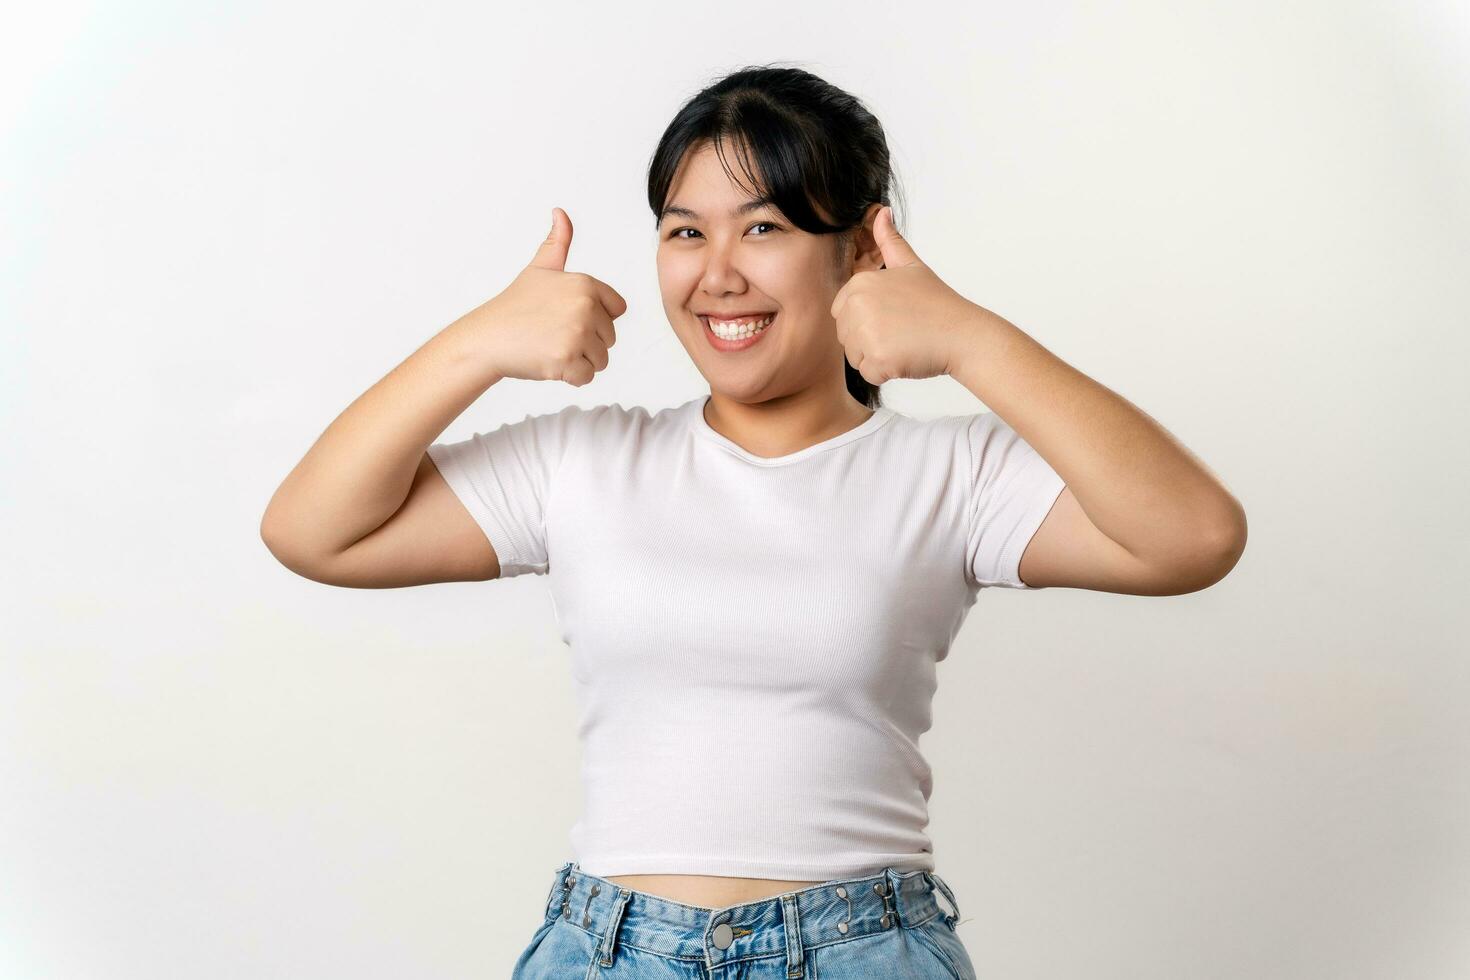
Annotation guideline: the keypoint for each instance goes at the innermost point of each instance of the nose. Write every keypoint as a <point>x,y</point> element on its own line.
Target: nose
<point>720,274</point>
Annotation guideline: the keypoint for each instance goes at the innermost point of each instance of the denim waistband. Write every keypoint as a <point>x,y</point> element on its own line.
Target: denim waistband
<point>834,911</point>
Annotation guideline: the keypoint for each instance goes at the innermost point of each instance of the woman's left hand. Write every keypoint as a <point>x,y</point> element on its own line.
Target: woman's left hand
<point>901,321</point>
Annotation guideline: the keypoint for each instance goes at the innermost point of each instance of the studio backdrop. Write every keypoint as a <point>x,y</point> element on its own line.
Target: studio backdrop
<point>222,224</point>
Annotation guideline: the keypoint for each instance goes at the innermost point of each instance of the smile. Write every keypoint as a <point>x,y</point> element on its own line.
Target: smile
<point>736,335</point>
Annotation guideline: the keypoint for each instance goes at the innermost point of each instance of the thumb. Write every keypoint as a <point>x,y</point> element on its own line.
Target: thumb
<point>895,247</point>
<point>553,251</point>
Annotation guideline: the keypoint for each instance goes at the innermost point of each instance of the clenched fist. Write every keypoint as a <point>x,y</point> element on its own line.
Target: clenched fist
<point>548,324</point>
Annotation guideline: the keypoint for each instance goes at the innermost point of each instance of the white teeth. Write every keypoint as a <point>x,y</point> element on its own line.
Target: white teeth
<point>739,329</point>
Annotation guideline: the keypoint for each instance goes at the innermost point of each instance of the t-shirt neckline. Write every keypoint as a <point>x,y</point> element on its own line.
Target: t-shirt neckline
<point>871,424</point>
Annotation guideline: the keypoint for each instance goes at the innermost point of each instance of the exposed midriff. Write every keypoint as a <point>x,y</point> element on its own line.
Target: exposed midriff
<point>708,891</point>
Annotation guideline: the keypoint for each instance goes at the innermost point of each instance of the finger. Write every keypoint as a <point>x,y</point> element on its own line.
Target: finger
<point>839,300</point>
<point>606,332</point>
<point>596,354</point>
<point>594,361</point>
<point>895,247</point>
<point>611,301</point>
<point>579,372</point>
<point>553,251</point>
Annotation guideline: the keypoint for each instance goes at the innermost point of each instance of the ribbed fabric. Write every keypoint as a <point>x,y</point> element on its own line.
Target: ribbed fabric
<point>753,640</point>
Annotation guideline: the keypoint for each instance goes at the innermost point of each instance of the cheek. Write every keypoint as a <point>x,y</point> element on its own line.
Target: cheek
<point>677,276</point>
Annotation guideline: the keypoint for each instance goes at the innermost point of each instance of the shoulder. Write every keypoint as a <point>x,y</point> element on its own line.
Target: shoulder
<point>979,446</point>
<point>930,434</point>
<point>990,441</point>
<point>613,418</point>
<point>613,425</point>
<point>574,419</point>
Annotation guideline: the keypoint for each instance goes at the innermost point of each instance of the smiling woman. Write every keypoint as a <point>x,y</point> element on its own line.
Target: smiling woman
<point>753,784</point>
<point>781,238</point>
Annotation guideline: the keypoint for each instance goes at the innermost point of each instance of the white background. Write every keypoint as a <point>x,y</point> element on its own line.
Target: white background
<point>221,226</point>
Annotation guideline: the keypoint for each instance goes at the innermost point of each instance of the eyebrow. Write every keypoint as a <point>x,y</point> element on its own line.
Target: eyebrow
<point>755,204</point>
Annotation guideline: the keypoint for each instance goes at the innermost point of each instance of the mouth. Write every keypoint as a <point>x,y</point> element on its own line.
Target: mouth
<point>742,333</point>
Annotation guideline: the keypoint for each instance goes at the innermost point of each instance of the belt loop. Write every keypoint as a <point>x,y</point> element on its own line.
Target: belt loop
<point>795,962</point>
<point>614,919</point>
<point>949,919</point>
<point>903,911</point>
<point>559,884</point>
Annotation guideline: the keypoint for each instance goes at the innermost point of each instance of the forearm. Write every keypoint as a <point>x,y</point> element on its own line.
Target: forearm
<point>359,471</point>
<point>1137,483</point>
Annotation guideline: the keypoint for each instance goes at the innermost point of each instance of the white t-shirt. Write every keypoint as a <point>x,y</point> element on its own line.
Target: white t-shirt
<point>753,640</point>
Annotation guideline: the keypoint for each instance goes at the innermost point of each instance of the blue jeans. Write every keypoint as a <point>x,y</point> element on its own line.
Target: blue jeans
<point>887,924</point>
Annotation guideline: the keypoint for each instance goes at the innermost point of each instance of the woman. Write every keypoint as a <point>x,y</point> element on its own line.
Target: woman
<point>758,583</point>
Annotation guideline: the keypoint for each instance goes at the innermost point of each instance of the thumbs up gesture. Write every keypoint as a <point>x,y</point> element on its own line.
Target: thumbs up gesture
<point>549,324</point>
<point>901,321</point>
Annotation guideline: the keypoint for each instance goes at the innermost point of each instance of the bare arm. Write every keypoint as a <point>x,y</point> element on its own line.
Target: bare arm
<point>359,471</point>
<point>366,507</point>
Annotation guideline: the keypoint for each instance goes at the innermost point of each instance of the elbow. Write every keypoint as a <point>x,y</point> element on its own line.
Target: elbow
<point>273,531</point>
<point>1230,541</point>
<point>274,538</point>
<point>1223,551</point>
<point>280,549</point>
<point>285,549</point>
<point>267,530</point>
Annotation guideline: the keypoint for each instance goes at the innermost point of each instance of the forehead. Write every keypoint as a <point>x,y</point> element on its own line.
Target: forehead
<point>702,188</point>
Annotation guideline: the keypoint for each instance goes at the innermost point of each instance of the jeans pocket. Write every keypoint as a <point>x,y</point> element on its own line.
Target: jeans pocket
<point>940,939</point>
<point>526,954</point>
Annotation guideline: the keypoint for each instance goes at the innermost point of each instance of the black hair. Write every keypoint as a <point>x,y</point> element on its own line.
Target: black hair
<point>813,144</point>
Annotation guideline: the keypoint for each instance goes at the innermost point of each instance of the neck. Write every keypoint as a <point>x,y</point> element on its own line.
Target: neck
<point>785,424</point>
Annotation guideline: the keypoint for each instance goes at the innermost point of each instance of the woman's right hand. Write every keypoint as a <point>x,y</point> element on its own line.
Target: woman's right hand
<point>548,324</point>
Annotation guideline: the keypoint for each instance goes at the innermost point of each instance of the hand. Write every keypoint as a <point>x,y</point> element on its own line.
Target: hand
<point>901,321</point>
<point>548,324</point>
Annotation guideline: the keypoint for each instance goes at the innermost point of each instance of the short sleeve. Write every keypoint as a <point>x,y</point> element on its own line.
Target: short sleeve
<point>505,478</point>
<point>1012,489</point>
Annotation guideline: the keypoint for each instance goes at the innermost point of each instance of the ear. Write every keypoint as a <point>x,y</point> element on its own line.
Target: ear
<point>868,255</point>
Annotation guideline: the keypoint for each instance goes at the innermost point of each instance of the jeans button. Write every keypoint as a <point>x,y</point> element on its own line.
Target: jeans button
<point>723,936</point>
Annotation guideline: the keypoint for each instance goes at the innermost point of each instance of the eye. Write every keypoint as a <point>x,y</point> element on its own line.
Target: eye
<point>675,232</point>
